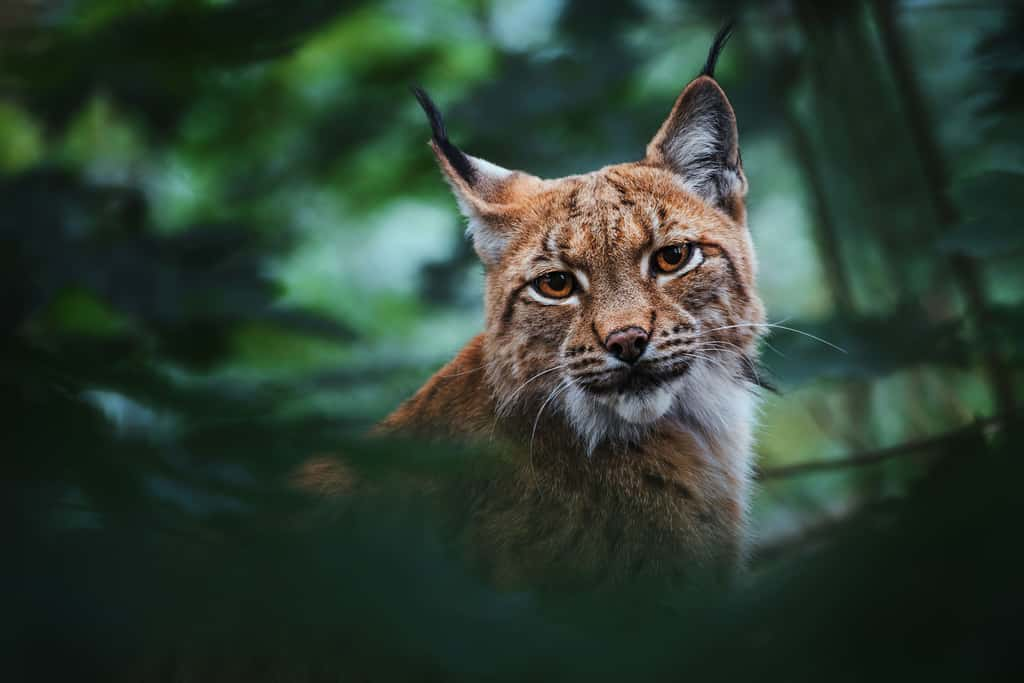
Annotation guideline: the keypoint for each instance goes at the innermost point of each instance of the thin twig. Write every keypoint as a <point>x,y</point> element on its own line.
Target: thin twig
<point>877,455</point>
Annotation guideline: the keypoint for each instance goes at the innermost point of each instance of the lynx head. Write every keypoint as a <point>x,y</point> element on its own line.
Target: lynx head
<point>625,296</point>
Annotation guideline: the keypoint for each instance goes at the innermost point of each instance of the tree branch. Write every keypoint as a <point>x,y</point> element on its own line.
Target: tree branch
<point>878,455</point>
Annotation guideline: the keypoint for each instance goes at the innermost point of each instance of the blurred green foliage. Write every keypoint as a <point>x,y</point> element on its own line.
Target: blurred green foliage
<point>224,248</point>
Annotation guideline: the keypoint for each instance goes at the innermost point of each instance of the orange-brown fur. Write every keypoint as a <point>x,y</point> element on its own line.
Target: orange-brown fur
<point>606,481</point>
<point>659,507</point>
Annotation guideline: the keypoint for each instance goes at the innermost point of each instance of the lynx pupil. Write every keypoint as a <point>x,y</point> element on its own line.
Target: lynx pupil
<point>670,259</point>
<point>556,285</point>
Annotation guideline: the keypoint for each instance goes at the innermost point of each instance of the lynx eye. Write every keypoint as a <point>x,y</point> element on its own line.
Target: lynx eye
<point>557,285</point>
<point>670,259</point>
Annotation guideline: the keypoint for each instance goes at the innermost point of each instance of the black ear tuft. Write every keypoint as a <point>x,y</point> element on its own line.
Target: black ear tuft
<point>721,38</point>
<point>459,161</point>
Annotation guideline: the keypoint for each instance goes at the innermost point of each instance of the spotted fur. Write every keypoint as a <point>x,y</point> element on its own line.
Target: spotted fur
<point>621,469</point>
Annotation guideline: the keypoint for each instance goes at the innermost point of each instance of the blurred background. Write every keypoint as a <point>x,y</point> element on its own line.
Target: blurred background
<point>225,247</point>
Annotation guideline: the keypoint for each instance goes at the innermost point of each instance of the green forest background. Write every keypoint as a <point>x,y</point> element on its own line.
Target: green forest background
<point>225,248</point>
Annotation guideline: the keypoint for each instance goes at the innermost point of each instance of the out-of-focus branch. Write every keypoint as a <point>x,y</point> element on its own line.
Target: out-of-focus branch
<point>825,230</point>
<point>916,447</point>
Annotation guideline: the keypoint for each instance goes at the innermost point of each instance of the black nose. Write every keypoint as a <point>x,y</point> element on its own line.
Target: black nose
<point>627,344</point>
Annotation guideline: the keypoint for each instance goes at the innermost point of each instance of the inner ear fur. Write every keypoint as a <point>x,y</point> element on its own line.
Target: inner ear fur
<point>699,143</point>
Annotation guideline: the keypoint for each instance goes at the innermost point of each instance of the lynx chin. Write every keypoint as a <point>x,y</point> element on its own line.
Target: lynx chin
<point>617,367</point>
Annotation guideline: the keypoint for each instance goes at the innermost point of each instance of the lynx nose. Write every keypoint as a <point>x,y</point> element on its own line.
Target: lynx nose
<point>627,344</point>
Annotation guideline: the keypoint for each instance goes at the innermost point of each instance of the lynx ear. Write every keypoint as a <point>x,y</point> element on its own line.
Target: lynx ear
<point>487,194</point>
<point>699,141</point>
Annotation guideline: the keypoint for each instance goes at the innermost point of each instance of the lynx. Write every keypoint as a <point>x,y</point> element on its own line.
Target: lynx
<point>617,364</point>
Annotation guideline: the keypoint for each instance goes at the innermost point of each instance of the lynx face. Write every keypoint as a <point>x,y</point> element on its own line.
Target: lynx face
<point>628,293</point>
<point>625,296</point>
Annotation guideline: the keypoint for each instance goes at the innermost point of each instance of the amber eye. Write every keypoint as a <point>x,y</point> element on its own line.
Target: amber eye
<point>670,259</point>
<point>556,285</point>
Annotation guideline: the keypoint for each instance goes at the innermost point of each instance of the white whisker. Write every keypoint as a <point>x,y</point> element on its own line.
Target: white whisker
<point>774,326</point>
<point>723,346</point>
<point>466,372</point>
<point>505,403</point>
<point>768,344</point>
<point>562,386</point>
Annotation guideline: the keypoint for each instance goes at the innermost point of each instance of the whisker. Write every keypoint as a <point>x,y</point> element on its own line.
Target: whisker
<point>778,327</point>
<point>768,344</point>
<point>584,363</point>
<point>464,372</point>
<point>596,375</point>
<point>562,386</point>
<point>710,359</point>
<point>486,364</point>
<point>728,347</point>
<point>671,365</point>
<point>508,401</point>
